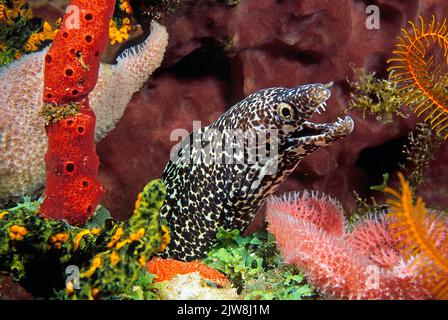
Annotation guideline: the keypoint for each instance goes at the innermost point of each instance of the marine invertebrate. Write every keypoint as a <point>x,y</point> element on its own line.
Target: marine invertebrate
<point>221,176</point>
<point>115,270</point>
<point>419,150</point>
<point>22,134</point>
<point>422,83</point>
<point>363,264</point>
<point>422,238</point>
<point>125,6</point>
<point>72,63</point>
<point>373,96</point>
<point>320,210</point>
<point>122,23</point>
<point>119,34</point>
<point>134,66</point>
<point>109,253</point>
<point>20,32</point>
<point>166,269</point>
<point>37,40</point>
<point>370,238</point>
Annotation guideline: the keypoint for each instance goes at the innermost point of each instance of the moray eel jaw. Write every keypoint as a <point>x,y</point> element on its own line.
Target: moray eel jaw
<point>321,135</point>
<point>304,134</point>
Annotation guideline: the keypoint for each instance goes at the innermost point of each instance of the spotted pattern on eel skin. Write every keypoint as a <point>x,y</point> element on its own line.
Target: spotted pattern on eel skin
<point>203,196</point>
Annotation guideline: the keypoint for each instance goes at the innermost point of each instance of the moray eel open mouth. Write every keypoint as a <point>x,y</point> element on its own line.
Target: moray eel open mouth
<point>334,131</point>
<point>320,134</point>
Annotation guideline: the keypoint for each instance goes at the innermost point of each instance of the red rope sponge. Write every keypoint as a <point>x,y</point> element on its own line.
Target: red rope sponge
<point>71,72</point>
<point>72,188</point>
<point>72,63</point>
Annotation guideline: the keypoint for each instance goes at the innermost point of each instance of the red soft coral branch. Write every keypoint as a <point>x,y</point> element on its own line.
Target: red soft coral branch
<point>166,269</point>
<point>71,72</point>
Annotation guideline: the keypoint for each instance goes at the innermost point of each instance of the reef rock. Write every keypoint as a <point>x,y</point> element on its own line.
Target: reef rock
<point>10,290</point>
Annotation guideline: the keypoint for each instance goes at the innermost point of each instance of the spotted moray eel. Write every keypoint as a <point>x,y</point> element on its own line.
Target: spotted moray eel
<point>203,196</point>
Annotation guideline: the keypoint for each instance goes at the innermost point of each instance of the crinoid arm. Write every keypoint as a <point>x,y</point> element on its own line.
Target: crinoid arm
<point>423,83</point>
<point>422,237</point>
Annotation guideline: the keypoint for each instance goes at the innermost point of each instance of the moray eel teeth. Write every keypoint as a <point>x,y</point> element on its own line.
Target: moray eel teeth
<point>322,134</point>
<point>203,196</point>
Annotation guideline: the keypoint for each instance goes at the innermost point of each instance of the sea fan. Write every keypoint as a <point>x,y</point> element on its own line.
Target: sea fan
<point>422,83</point>
<point>364,264</point>
<point>423,239</point>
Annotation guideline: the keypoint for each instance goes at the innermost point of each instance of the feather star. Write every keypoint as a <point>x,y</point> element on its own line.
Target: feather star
<point>23,141</point>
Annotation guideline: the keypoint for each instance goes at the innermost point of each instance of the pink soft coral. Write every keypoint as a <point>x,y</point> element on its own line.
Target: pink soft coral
<point>322,211</point>
<point>371,239</point>
<point>363,264</point>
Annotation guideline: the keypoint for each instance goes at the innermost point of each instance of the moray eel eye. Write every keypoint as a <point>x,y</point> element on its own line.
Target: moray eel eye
<point>285,111</point>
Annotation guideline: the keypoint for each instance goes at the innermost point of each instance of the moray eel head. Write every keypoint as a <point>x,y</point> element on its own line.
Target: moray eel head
<point>264,137</point>
<point>293,109</point>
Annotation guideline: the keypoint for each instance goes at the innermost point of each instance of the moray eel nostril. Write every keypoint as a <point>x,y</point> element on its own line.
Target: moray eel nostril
<point>203,196</point>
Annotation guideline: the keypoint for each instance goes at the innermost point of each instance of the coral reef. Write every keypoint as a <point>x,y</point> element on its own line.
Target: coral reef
<point>225,74</point>
<point>22,134</point>
<point>114,271</point>
<point>216,57</point>
<point>370,238</point>
<point>110,254</point>
<point>422,81</point>
<point>362,264</point>
<point>254,266</point>
<point>72,61</point>
<point>122,22</point>
<point>72,190</point>
<point>133,68</point>
<point>194,285</point>
<point>422,238</point>
<point>125,21</point>
<point>20,33</point>
<point>143,288</point>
